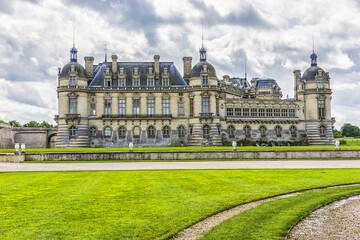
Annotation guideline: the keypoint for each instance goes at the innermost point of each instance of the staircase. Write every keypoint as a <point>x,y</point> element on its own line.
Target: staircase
<point>314,138</point>
<point>197,137</point>
<point>80,141</point>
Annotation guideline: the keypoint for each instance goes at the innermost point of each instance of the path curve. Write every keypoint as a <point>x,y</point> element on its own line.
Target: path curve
<point>199,229</point>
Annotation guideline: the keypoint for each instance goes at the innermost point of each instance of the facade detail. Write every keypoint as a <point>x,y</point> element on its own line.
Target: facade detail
<point>151,104</point>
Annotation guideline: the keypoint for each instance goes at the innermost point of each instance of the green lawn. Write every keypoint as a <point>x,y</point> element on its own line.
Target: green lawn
<point>179,149</point>
<point>138,204</point>
<point>274,219</point>
<point>351,141</point>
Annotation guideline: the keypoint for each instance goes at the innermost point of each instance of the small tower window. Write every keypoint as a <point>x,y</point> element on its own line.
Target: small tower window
<point>72,81</point>
<point>72,106</point>
<point>205,104</point>
<point>320,83</point>
<point>321,109</point>
<point>205,80</point>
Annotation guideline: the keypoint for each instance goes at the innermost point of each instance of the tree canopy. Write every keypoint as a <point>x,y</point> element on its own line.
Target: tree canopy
<point>348,130</point>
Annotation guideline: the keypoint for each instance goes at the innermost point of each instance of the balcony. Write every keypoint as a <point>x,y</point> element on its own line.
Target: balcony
<point>129,116</point>
<point>206,115</point>
<point>72,116</point>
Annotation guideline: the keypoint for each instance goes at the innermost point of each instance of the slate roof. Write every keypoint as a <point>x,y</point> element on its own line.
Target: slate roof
<point>79,68</point>
<point>197,69</point>
<point>310,73</point>
<point>265,83</point>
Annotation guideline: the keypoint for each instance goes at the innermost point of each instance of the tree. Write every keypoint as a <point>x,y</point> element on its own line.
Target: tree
<point>336,133</point>
<point>45,124</point>
<point>15,123</point>
<point>348,130</point>
<point>2,121</point>
<point>31,124</point>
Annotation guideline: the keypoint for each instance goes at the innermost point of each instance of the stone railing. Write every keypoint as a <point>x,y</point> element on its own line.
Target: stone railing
<point>111,116</point>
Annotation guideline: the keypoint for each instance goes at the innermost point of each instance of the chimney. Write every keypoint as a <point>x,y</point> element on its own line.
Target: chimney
<point>89,66</point>
<point>187,67</point>
<point>226,78</point>
<point>297,77</point>
<point>156,64</point>
<point>114,65</point>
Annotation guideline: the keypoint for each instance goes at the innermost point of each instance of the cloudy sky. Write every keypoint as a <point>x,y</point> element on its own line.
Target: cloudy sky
<point>274,36</point>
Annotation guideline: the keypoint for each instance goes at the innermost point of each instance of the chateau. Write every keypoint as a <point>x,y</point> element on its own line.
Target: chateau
<point>152,104</point>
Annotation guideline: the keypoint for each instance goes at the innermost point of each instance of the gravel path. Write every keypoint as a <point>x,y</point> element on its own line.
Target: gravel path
<point>339,220</point>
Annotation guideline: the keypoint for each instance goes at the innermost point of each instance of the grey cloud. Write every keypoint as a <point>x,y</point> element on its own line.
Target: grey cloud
<point>26,95</point>
<point>6,6</point>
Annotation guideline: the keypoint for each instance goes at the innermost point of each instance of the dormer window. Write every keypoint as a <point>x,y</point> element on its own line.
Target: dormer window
<point>205,80</point>
<point>150,71</point>
<point>107,82</point>
<point>165,71</point>
<point>72,80</point>
<point>136,71</point>
<point>165,82</point>
<point>136,82</point>
<point>121,82</point>
<point>150,82</point>
<point>107,71</point>
<point>122,71</point>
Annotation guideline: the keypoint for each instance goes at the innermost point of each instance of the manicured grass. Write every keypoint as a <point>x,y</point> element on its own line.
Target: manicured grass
<point>273,220</point>
<point>351,141</point>
<point>138,204</point>
<point>179,149</point>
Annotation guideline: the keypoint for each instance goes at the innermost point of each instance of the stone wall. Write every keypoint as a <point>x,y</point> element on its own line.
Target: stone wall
<point>6,136</point>
<point>34,137</point>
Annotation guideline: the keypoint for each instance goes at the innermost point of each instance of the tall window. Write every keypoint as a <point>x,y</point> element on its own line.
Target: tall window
<point>107,107</point>
<point>181,109</point>
<point>269,112</point>
<point>136,82</point>
<point>107,82</point>
<point>165,106</point>
<point>206,131</point>
<point>165,82</point>
<point>284,112</point>
<point>181,131</point>
<point>291,112</point>
<point>322,131</point>
<point>122,132</point>
<point>151,132</point>
<point>245,112</point>
<point>93,131</point>
<point>231,131</point>
<point>276,112</point>
<point>150,82</point>
<point>72,80</point>
<point>261,112</point>
<point>191,107</point>
<point>72,131</point>
<point>320,83</point>
<point>122,106</point>
<point>205,80</point>
<point>247,130</point>
<point>205,104</point>
<point>321,107</point>
<point>254,112</point>
<point>262,130</point>
<point>150,106</point>
<point>121,82</point>
<point>166,132</point>
<point>72,106</point>
<point>107,132</point>
<point>136,106</point>
<point>93,109</point>
<point>293,131</point>
<point>237,111</point>
<point>278,131</point>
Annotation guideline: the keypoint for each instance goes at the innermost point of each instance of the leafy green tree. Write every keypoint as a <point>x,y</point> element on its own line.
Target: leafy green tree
<point>31,124</point>
<point>348,130</point>
<point>45,124</point>
<point>336,133</point>
<point>15,123</point>
<point>1,121</point>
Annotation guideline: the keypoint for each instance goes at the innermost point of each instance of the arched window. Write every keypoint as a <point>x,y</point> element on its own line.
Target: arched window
<point>136,132</point>
<point>231,131</point>
<point>322,131</point>
<point>107,132</point>
<point>166,132</point>
<point>262,130</point>
<point>151,132</point>
<point>247,130</point>
<point>181,131</point>
<point>278,131</point>
<point>93,131</point>
<point>72,131</point>
<point>293,131</point>
<point>206,131</point>
<point>122,132</point>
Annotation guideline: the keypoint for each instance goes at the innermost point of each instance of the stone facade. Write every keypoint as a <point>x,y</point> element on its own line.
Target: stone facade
<point>151,104</point>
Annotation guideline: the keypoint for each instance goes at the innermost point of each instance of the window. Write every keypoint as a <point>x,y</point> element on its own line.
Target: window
<point>269,112</point>
<point>181,109</point>
<point>107,107</point>
<point>150,82</point>
<point>136,82</point>
<point>245,112</point>
<point>181,131</point>
<point>278,131</point>
<point>262,130</point>
<point>231,131</point>
<point>122,107</point>
<point>166,132</point>
<point>320,83</point>
<point>136,132</point>
<point>151,132</point>
<point>254,112</point>
<point>107,132</point>
<point>166,105</point>
<point>291,112</point>
<point>293,131</point>
<point>92,109</point>
<point>72,81</point>
<point>261,112</point>
<point>237,111</point>
<point>191,107</point>
<point>72,131</point>
<point>247,130</point>
<point>284,112</point>
<point>150,106</point>
<point>107,82</point>
<point>205,104</point>
<point>321,107</point>
<point>205,80</point>
<point>72,106</point>
<point>121,82</point>
<point>322,131</point>
<point>229,112</point>
<point>122,132</point>
<point>206,131</point>
<point>165,82</point>
<point>276,112</point>
<point>93,131</point>
<point>136,106</point>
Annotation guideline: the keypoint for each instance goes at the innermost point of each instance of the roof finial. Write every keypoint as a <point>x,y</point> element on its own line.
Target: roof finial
<point>105,53</point>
